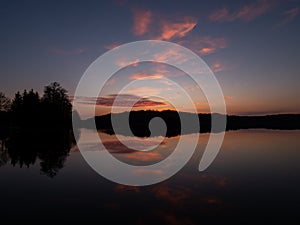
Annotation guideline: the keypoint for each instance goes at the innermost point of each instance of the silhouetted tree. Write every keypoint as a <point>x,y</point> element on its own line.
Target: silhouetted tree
<point>4,102</point>
<point>26,108</point>
<point>56,106</point>
<point>17,102</point>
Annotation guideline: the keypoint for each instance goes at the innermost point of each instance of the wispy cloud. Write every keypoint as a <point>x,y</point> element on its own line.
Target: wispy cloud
<point>144,76</point>
<point>141,21</point>
<point>111,46</point>
<point>158,27</point>
<point>70,52</point>
<point>246,13</point>
<point>123,62</point>
<point>289,16</point>
<point>217,67</point>
<point>171,30</point>
<point>205,45</point>
<point>145,91</point>
<point>120,100</point>
<point>174,55</point>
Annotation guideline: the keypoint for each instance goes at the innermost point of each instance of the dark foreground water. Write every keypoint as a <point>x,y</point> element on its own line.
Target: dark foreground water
<point>254,180</point>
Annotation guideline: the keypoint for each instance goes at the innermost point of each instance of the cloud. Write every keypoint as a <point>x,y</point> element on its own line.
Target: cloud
<point>123,100</point>
<point>205,45</point>
<point>143,76</point>
<point>173,55</point>
<point>159,27</point>
<point>111,46</point>
<point>145,91</point>
<point>245,13</point>
<point>70,52</point>
<point>141,21</point>
<point>289,16</point>
<point>171,30</point>
<point>217,67</point>
<point>122,62</point>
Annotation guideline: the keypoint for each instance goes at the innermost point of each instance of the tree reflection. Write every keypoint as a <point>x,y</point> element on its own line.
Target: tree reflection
<point>49,148</point>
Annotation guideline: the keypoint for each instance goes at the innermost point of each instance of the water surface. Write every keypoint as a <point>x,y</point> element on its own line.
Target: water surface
<point>254,178</point>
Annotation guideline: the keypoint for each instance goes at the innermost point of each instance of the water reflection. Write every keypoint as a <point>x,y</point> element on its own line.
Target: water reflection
<point>25,148</point>
<point>256,172</point>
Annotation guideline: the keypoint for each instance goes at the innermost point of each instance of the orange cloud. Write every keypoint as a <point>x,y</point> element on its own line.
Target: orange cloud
<point>145,91</point>
<point>141,20</point>
<point>205,45</point>
<point>217,67</point>
<point>173,54</point>
<point>120,100</point>
<point>142,76</point>
<point>176,30</point>
<point>122,62</point>
<point>206,51</point>
<point>161,28</point>
<point>246,13</point>
<point>289,16</point>
<point>111,46</point>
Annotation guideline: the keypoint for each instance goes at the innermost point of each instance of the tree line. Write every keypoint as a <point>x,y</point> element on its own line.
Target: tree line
<point>28,109</point>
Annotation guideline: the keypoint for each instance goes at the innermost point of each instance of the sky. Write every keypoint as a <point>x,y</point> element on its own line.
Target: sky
<point>251,46</point>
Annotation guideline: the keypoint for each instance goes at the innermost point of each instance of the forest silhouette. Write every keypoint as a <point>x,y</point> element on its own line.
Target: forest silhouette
<point>36,129</point>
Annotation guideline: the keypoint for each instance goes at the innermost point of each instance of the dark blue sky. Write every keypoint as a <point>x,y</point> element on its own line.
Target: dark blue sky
<point>252,46</point>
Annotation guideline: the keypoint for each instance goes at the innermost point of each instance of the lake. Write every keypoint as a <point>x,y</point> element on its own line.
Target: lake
<point>254,179</point>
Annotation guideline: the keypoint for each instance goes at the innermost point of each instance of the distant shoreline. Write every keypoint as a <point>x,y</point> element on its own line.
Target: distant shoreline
<point>139,122</point>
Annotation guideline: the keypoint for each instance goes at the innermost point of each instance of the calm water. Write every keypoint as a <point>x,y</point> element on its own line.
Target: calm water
<point>255,177</point>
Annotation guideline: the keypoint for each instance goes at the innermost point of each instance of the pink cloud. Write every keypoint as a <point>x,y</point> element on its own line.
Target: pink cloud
<point>217,67</point>
<point>172,54</point>
<point>159,27</point>
<point>246,13</point>
<point>141,20</point>
<point>171,30</point>
<point>289,16</point>
<point>205,45</point>
<point>123,100</point>
<point>111,46</point>
<point>142,76</point>
<point>123,62</point>
<point>71,52</point>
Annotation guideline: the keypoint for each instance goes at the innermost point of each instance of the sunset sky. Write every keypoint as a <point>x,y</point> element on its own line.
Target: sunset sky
<point>251,46</point>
